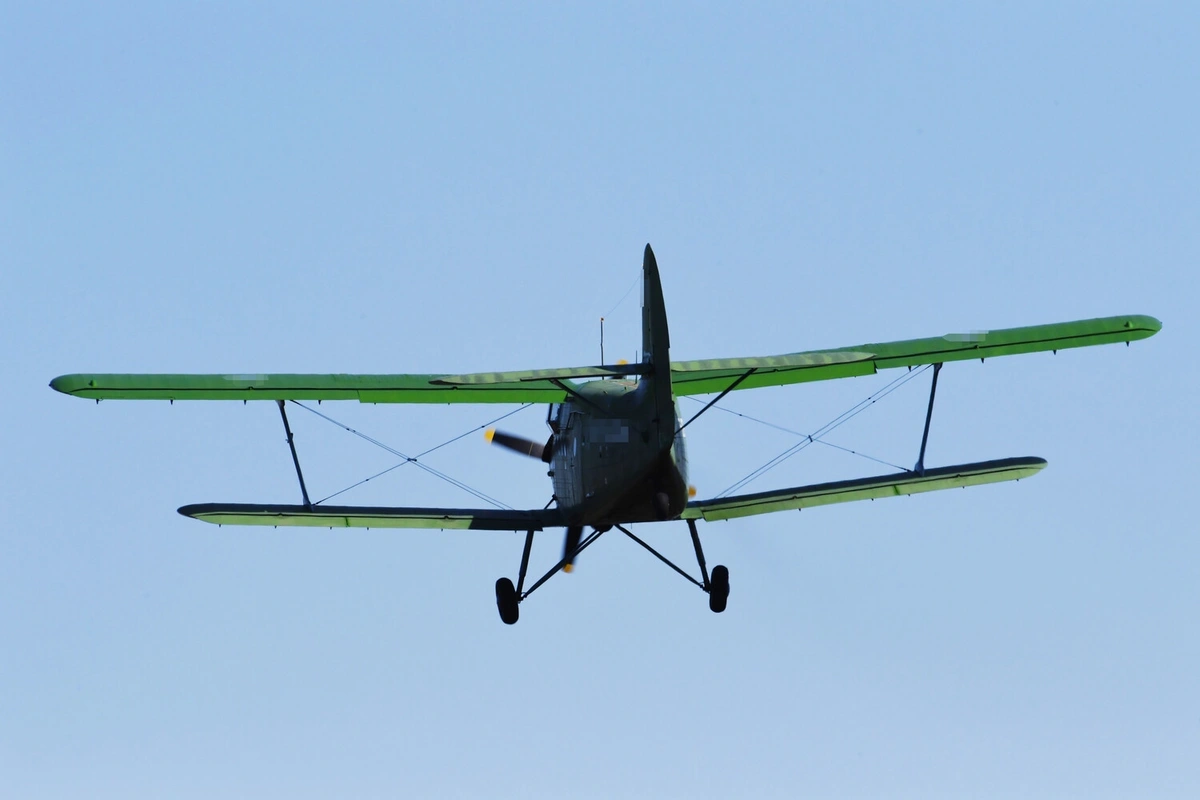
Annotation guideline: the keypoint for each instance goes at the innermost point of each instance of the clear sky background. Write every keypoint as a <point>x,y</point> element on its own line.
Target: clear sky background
<point>223,187</point>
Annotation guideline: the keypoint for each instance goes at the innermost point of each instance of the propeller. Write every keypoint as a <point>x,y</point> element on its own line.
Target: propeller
<point>544,452</point>
<point>519,444</point>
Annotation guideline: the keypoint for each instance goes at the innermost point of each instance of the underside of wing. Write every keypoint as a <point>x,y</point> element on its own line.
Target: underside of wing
<point>704,377</point>
<point>901,483</point>
<point>373,517</point>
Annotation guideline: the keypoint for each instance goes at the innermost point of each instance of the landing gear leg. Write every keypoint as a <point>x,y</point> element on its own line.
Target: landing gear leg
<point>691,523</point>
<point>509,597</point>
<point>718,585</point>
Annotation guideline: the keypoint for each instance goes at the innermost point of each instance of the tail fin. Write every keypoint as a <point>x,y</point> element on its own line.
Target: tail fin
<point>656,346</point>
<point>655,340</point>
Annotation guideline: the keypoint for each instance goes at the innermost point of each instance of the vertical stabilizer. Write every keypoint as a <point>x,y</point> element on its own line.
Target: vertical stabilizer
<point>655,341</point>
<point>656,346</point>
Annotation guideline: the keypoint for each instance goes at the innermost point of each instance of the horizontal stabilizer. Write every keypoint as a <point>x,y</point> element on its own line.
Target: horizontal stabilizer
<point>900,483</point>
<point>318,516</point>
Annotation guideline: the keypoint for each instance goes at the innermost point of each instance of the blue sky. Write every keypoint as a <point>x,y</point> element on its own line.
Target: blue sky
<point>222,188</point>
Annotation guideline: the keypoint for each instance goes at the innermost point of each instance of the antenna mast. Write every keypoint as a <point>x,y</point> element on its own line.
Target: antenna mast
<point>602,340</point>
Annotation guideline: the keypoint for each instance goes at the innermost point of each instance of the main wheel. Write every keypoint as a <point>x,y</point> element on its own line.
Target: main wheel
<point>506,601</point>
<point>718,589</point>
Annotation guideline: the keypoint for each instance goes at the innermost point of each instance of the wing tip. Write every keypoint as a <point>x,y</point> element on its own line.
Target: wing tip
<point>1135,326</point>
<point>67,384</point>
<point>1149,323</point>
<point>195,511</point>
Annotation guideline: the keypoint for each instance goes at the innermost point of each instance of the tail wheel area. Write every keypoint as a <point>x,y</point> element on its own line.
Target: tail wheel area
<point>507,601</point>
<point>718,590</point>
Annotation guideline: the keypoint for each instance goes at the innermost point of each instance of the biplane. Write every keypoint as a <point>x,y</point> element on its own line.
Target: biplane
<point>616,448</point>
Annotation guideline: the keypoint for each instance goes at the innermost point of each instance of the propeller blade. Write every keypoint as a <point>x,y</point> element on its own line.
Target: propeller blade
<point>519,444</point>
<point>570,545</point>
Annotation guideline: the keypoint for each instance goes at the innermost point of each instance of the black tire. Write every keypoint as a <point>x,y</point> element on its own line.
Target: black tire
<point>506,602</point>
<point>718,590</point>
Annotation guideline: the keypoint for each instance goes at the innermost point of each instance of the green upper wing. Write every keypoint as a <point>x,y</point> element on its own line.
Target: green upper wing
<point>551,385</point>
<point>529,386</point>
<point>704,377</point>
<point>364,388</point>
<point>901,483</point>
<point>319,516</point>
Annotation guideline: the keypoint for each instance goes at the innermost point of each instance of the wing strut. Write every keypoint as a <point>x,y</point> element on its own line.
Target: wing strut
<point>574,393</point>
<point>714,401</point>
<point>295,458</point>
<point>920,467</point>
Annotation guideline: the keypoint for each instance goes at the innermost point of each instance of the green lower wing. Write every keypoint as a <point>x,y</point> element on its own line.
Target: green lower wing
<point>373,517</point>
<point>903,483</point>
<point>704,377</point>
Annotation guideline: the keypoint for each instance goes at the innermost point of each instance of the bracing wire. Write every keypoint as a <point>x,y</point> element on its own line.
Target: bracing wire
<point>422,454</point>
<point>825,429</point>
<point>800,435</point>
<point>414,459</point>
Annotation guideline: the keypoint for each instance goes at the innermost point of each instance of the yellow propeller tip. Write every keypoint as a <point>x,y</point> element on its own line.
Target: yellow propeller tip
<point>568,567</point>
<point>621,362</point>
<point>489,433</point>
<point>691,491</point>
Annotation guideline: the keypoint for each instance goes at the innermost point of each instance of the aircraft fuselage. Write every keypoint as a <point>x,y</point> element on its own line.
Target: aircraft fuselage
<point>611,460</point>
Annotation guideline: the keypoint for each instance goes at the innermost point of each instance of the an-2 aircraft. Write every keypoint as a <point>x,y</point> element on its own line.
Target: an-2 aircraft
<point>616,447</point>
